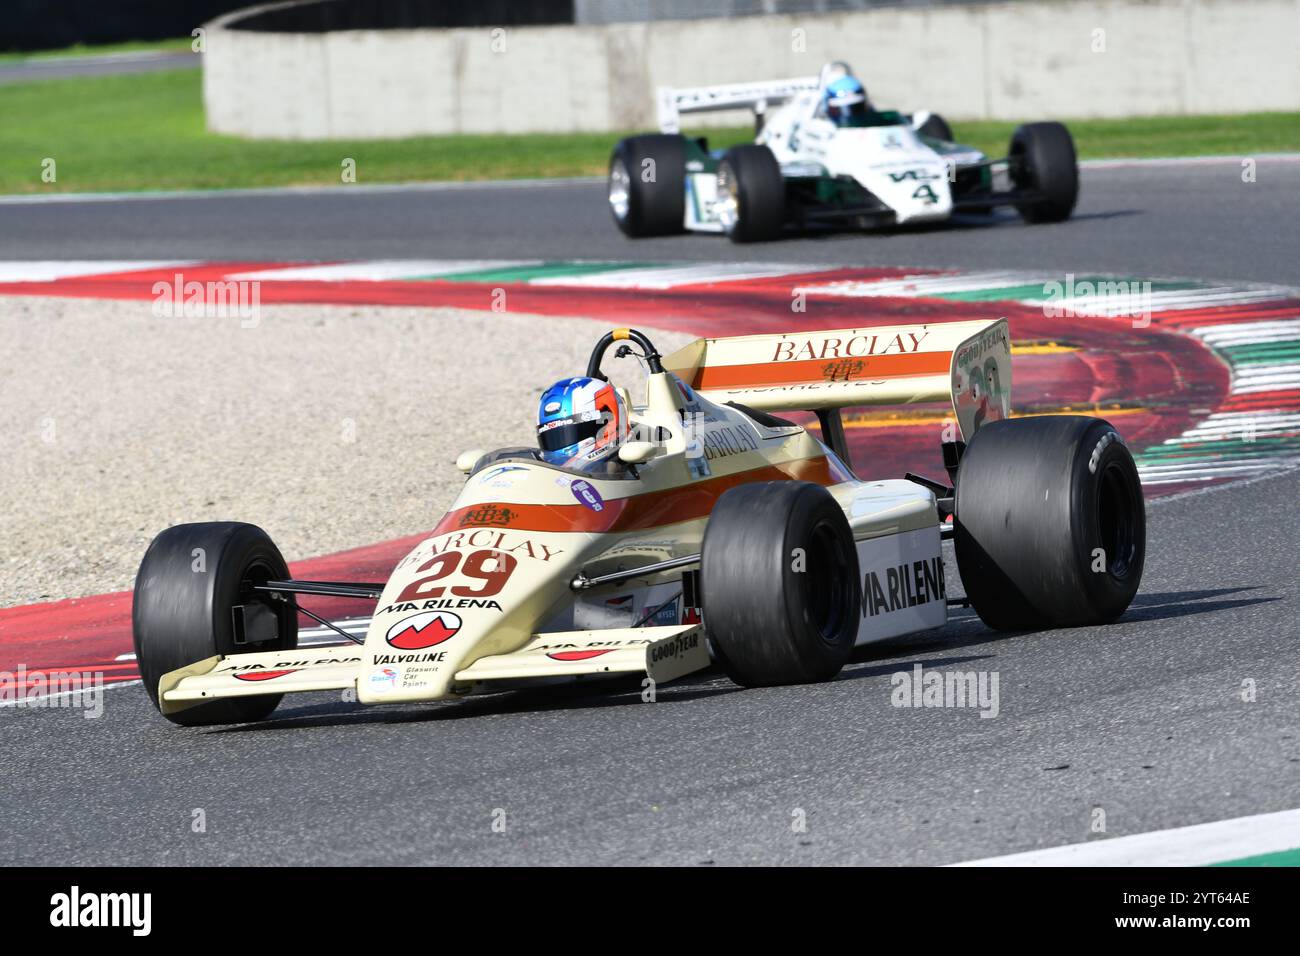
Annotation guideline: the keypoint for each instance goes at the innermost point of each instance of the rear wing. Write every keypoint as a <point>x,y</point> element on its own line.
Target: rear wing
<point>671,103</point>
<point>968,363</point>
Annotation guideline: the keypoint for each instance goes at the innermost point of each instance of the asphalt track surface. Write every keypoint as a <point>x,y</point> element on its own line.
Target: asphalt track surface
<point>110,64</point>
<point>1198,221</point>
<point>1143,719</point>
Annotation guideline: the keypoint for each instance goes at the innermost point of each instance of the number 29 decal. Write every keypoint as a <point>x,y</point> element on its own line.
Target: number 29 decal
<point>492,569</point>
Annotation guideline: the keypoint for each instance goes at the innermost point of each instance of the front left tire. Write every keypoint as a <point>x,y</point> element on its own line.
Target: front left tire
<point>190,583</point>
<point>646,187</point>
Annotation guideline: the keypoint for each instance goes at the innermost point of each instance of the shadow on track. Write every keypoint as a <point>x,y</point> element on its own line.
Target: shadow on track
<point>877,660</point>
<point>611,692</point>
<point>960,222</point>
<point>965,629</point>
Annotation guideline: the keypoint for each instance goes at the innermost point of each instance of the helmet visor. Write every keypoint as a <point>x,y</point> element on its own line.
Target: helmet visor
<point>565,432</point>
<point>847,109</point>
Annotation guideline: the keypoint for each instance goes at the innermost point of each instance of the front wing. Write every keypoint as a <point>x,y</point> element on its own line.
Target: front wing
<point>661,653</point>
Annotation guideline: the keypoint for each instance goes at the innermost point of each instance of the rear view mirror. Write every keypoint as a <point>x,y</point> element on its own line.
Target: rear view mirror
<point>637,452</point>
<point>466,460</point>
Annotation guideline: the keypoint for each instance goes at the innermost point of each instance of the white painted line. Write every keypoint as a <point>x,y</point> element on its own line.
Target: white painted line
<point>1231,431</point>
<point>27,701</point>
<point>928,285</point>
<point>1229,341</point>
<point>1218,473</point>
<point>1239,434</point>
<point>141,56</point>
<point>1252,374</point>
<point>1166,301</point>
<point>1197,845</point>
<point>1291,386</point>
<point>51,271</point>
<point>1218,465</point>
<point>667,277</point>
<point>1166,161</point>
<point>351,189</point>
<point>1214,472</point>
<point>1260,415</point>
<point>380,270</point>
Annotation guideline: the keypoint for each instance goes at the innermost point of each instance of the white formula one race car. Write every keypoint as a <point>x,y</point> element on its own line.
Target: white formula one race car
<point>823,154</point>
<point>712,531</point>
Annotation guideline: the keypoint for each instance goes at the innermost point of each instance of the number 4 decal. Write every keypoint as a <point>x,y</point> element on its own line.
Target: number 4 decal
<point>926,195</point>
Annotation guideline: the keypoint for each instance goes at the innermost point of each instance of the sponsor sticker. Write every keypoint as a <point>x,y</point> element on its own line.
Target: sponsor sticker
<point>587,495</point>
<point>383,680</point>
<point>666,615</point>
<point>902,586</point>
<point>423,630</point>
<point>502,476</point>
<point>440,603</point>
<point>727,440</point>
<point>577,655</point>
<point>487,514</point>
<point>675,646</point>
<point>261,675</point>
<point>434,657</point>
<point>854,346</point>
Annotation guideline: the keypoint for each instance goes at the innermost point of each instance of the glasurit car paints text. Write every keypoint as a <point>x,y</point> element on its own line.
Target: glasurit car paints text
<point>902,584</point>
<point>77,909</point>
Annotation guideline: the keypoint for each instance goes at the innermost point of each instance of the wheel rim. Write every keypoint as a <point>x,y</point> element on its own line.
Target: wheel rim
<point>1117,521</point>
<point>620,189</point>
<point>828,589</point>
<point>1022,174</point>
<point>257,574</point>
<point>727,204</point>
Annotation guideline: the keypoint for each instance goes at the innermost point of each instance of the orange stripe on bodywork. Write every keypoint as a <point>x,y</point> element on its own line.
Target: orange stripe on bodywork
<point>822,370</point>
<point>638,512</point>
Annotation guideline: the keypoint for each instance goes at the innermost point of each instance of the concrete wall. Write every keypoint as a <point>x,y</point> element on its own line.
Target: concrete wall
<point>1028,60</point>
<point>629,11</point>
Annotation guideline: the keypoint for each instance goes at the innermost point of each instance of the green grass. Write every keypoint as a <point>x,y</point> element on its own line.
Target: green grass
<point>1247,134</point>
<point>178,45</point>
<point>146,131</point>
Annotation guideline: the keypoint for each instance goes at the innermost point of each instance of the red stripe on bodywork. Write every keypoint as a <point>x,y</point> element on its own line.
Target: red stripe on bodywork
<point>818,370</point>
<point>639,512</point>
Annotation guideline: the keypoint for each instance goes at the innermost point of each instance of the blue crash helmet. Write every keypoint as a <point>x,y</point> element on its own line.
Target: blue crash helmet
<point>580,421</point>
<point>846,101</point>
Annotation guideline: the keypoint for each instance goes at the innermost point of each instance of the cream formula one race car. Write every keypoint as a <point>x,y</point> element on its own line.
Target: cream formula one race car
<point>719,534</point>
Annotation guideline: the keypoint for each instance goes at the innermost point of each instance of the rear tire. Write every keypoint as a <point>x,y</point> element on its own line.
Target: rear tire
<point>190,580</point>
<point>1043,159</point>
<point>773,617</point>
<point>751,193</point>
<point>1041,503</point>
<point>647,185</point>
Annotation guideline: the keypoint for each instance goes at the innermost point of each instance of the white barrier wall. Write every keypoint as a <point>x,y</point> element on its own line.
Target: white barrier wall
<point>1026,60</point>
